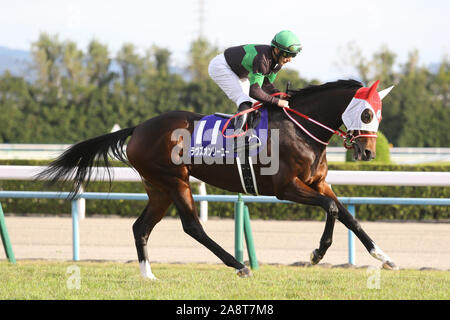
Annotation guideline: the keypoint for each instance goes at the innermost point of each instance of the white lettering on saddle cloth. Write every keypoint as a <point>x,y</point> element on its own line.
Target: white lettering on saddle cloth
<point>215,148</point>
<point>208,140</point>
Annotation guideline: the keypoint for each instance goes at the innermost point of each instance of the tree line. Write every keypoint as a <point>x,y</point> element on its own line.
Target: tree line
<point>71,95</point>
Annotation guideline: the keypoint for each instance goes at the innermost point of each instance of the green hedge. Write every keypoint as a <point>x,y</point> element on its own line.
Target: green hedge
<point>257,210</point>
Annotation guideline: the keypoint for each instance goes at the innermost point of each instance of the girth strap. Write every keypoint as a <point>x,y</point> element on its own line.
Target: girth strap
<point>247,176</point>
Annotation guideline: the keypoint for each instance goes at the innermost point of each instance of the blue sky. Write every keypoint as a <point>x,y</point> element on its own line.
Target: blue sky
<point>324,26</point>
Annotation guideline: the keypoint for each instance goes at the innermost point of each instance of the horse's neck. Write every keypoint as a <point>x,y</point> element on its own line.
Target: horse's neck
<point>323,110</point>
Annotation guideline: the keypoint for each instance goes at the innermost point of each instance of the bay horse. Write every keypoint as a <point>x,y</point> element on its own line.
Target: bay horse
<point>300,176</point>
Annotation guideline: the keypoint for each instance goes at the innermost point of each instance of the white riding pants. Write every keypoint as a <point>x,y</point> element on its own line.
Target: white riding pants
<point>236,89</point>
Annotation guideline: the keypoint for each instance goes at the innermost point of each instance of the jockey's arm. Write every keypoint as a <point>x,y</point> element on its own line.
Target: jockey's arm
<point>259,89</point>
<point>263,93</point>
<point>269,87</point>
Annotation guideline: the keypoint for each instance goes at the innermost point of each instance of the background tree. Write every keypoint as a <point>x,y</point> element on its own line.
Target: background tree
<point>414,113</point>
<point>425,116</point>
<point>75,94</point>
<point>352,56</point>
<point>286,75</point>
<point>47,57</point>
<point>383,66</point>
<point>131,67</point>
<point>161,56</point>
<point>200,54</point>
<point>98,65</point>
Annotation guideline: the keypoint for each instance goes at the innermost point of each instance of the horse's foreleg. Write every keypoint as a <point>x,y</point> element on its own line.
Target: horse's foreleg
<point>299,192</point>
<point>302,193</point>
<point>325,241</point>
<point>351,223</point>
<point>327,236</point>
<point>152,214</point>
<point>191,225</point>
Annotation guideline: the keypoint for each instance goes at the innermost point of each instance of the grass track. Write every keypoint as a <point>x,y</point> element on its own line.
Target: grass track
<point>41,280</point>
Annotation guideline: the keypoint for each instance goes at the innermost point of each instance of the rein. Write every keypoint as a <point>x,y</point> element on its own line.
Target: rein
<point>348,137</point>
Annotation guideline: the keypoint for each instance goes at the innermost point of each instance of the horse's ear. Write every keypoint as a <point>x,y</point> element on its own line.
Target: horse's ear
<point>373,89</point>
<point>384,93</point>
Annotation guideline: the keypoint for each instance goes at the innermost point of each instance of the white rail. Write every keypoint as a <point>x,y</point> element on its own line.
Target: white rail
<point>389,178</point>
<point>399,155</point>
<point>335,177</point>
<point>117,174</point>
<point>344,177</point>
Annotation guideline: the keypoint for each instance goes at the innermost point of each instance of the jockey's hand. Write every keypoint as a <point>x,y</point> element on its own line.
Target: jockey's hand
<point>283,103</point>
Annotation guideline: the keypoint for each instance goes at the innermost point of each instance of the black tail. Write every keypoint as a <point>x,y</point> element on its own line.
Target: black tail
<point>77,162</point>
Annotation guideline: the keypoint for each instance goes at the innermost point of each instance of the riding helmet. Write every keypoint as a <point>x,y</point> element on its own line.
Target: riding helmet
<point>287,41</point>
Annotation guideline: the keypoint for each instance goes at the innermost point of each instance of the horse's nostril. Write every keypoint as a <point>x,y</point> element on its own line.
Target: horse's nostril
<point>368,154</point>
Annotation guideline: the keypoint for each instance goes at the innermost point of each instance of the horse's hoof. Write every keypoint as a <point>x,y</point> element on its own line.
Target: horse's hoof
<point>244,272</point>
<point>315,257</point>
<point>150,277</point>
<point>389,265</point>
<point>146,270</point>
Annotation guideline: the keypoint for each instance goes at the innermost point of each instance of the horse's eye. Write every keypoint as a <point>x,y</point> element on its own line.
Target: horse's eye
<point>367,116</point>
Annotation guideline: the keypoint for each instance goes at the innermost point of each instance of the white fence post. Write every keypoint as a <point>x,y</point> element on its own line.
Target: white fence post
<point>203,204</point>
<point>81,204</point>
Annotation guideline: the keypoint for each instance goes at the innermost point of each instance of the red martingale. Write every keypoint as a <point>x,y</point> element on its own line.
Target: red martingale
<point>347,139</point>
<point>256,106</point>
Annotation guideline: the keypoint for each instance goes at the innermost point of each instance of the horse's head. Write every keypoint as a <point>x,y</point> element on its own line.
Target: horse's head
<point>362,118</point>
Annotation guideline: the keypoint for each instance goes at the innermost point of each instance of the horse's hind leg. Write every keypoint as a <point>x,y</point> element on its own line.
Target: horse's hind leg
<point>191,225</point>
<point>155,210</point>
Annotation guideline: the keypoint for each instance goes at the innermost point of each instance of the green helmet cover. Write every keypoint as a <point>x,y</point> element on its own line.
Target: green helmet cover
<point>287,41</point>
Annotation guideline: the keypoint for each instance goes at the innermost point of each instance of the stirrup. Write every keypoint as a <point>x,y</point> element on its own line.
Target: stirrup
<point>247,145</point>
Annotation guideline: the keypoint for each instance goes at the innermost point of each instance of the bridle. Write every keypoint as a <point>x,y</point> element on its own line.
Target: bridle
<point>352,135</point>
<point>349,137</point>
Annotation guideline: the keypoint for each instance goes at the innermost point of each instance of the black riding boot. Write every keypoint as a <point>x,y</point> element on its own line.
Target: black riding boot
<point>239,123</point>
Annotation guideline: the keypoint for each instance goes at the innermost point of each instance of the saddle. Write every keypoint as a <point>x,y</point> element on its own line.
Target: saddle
<point>224,115</point>
<point>210,140</point>
<point>255,115</point>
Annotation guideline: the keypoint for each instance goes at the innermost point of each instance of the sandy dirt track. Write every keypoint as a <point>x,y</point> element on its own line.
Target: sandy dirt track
<point>409,244</point>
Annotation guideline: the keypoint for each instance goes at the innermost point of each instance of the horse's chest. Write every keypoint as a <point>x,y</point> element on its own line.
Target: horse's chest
<point>313,169</point>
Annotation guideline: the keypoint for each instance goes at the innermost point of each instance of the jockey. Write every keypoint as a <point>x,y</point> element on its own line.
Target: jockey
<point>246,73</point>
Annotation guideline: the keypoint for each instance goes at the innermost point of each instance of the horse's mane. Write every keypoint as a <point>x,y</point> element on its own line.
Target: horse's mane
<point>324,87</point>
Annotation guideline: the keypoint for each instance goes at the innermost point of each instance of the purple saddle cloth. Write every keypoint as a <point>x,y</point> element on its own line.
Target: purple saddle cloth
<point>208,140</point>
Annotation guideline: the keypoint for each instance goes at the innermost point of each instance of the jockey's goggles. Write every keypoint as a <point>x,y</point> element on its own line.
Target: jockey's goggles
<point>288,54</point>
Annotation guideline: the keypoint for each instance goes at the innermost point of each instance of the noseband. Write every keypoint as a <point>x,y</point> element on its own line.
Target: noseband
<point>352,135</point>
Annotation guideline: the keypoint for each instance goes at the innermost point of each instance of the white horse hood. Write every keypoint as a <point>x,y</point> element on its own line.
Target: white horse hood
<point>364,111</point>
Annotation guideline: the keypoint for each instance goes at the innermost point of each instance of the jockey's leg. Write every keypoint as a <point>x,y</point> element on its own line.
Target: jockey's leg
<point>237,90</point>
<point>248,141</point>
<point>240,121</point>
